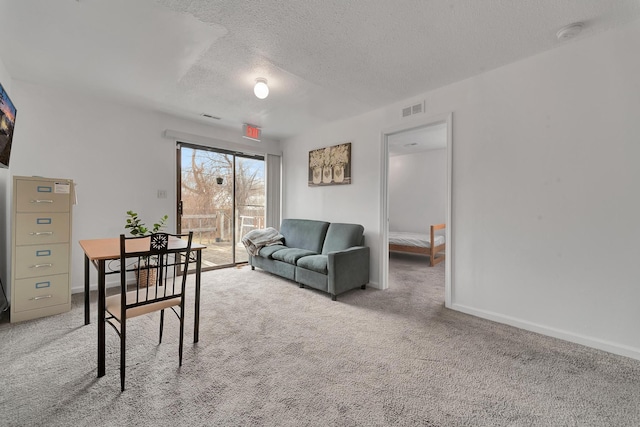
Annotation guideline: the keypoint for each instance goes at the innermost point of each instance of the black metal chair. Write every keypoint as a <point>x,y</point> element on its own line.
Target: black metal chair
<point>160,263</point>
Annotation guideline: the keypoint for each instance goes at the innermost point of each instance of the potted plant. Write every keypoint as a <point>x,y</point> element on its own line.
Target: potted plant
<point>147,274</point>
<point>138,228</point>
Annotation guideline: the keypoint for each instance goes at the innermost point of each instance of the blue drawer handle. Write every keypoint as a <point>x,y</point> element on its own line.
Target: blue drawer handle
<point>41,285</point>
<point>44,252</point>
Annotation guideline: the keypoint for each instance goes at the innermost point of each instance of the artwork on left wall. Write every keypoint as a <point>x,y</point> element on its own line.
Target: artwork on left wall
<point>330,165</point>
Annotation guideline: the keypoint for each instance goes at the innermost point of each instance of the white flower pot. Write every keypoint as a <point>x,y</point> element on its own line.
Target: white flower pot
<point>317,175</point>
<point>326,174</point>
<point>338,173</point>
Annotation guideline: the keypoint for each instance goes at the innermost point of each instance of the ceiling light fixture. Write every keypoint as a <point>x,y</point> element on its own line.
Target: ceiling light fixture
<point>569,31</point>
<point>261,89</point>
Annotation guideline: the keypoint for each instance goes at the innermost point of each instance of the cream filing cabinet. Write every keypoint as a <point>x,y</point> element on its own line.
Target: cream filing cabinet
<point>41,246</point>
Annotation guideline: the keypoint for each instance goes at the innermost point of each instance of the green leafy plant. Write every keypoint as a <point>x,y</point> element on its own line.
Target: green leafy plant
<point>138,228</point>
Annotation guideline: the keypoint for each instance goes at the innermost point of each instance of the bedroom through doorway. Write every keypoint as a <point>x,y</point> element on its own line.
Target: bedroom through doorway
<point>417,201</point>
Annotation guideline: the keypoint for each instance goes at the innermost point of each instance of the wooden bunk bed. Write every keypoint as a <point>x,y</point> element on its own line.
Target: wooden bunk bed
<point>417,243</point>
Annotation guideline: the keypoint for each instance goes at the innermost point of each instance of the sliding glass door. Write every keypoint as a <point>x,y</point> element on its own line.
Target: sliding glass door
<point>221,197</point>
<point>250,199</point>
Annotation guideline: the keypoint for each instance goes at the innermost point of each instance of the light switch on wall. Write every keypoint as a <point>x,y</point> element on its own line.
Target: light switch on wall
<point>162,194</point>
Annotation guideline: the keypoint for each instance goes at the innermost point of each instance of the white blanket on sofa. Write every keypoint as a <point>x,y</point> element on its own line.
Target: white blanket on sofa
<point>255,240</point>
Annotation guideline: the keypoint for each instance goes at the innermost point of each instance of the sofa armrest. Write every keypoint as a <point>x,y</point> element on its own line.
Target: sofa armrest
<point>347,269</point>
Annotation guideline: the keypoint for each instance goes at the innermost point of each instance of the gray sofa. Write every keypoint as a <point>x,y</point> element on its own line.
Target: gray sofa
<point>330,257</point>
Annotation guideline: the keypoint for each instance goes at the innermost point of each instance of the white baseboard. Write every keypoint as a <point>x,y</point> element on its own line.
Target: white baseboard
<point>93,287</point>
<point>599,344</point>
<point>374,285</point>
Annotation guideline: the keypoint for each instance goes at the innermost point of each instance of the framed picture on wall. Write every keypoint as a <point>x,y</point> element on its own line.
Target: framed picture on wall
<point>330,165</point>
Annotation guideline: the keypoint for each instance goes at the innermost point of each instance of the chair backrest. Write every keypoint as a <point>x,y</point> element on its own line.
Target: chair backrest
<point>159,262</point>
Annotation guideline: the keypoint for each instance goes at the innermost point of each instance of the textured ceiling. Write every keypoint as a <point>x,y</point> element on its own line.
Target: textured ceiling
<point>324,59</point>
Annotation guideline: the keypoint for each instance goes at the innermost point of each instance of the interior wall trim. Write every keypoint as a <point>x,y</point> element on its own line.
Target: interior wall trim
<point>420,122</point>
<point>608,346</point>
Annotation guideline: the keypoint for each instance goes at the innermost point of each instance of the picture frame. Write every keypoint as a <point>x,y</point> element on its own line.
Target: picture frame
<point>330,165</point>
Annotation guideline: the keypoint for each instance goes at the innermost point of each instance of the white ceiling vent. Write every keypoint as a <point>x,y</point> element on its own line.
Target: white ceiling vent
<point>414,109</point>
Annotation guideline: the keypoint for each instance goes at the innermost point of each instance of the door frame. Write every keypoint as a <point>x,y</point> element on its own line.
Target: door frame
<point>235,154</point>
<point>384,199</point>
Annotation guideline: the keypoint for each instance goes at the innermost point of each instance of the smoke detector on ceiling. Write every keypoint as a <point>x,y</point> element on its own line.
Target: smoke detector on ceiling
<point>569,31</point>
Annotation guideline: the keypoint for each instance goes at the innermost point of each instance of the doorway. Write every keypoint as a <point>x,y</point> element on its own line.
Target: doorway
<point>397,136</point>
<point>221,197</point>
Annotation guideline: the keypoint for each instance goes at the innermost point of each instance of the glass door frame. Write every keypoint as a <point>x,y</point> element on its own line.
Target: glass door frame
<point>179,206</point>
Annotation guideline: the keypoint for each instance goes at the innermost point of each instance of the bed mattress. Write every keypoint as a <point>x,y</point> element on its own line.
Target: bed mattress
<point>420,240</point>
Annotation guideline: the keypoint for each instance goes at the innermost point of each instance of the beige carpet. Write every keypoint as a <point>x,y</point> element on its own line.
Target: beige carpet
<point>273,354</point>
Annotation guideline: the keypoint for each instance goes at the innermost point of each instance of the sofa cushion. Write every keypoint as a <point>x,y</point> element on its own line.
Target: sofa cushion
<point>316,263</point>
<point>268,251</point>
<point>342,236</point>
<point>291,255</point>
<point>304,233</point>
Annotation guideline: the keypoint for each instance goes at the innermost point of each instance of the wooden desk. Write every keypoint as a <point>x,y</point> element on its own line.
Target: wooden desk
<point>98,252</point>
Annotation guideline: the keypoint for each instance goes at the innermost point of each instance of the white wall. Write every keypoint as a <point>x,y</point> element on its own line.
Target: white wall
<point>357,202</point>
<point>545,189</point>
<point>116,155</point>
<point>417,191</point>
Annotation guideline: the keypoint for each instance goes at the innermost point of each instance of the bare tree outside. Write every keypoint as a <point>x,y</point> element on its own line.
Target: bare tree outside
<point>207,185</point>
